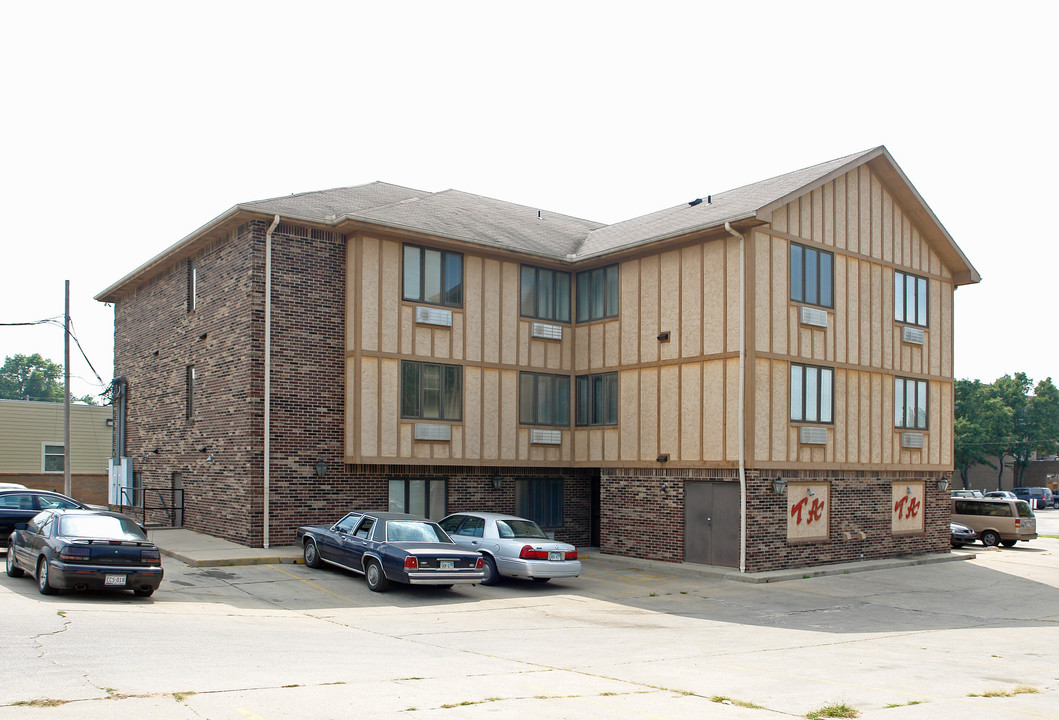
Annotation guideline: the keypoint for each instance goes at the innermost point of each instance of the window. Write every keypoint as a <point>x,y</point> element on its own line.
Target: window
<point>430,391</point>
<point>189,400</point>
<point>812,391</point>
<point>812,276</point>
<point>54,458</point>
<point>910,404</point>
<point>543,399</point>
<point>910,299</point>
<point>425,498</point>
<point>597,399</point>
<point>433,276</point>
<point>193,284</point>
<point>545,294</point>
<point>597,293</point>
<point>540,501</point>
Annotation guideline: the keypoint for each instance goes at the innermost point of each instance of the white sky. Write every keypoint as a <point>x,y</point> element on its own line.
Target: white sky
<point>126,126</point>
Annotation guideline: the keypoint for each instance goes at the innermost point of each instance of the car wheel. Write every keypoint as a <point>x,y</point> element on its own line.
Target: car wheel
<point>12,569</point>
<point>541,580</point>
<point>144,591</point>
<point>375,577</point>
<point>444,587</point>
<point>492,576</point>
<point>311,554</point>
<point>43,584</point>
<point>1008,543</point>
<point>990,538</point>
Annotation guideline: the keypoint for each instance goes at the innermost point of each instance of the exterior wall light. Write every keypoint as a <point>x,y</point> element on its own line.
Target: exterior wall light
<point>943,484</point>
<point>497,480</point>
<point>779,485</point>
<point>664,457</point>
<point>321,468</point>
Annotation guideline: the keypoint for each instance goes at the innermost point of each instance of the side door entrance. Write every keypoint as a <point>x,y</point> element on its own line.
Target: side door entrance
<point>711,523</point>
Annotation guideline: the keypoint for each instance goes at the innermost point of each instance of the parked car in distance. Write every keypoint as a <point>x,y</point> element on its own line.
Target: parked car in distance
<point>388,547</point>
<point>961,535</point>
<point>18,506</point>
<point>512,547</point>
<point>74,549</point>
<point>1001,494</point>
<point>996,521</point>
<point>966,493</point>
<point>12,486</point>
<point>1038,497</point>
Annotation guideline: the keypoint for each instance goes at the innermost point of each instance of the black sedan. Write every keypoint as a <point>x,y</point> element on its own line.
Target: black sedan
<point>85,550</point>
<point>388,547</point>
<point>961,535</point>
<point>19,505</point>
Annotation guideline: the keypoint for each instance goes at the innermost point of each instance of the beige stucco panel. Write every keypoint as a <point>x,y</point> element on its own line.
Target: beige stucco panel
<point>369,406</point>
<point>907,508</point>
<point>808,511</point>
<point>369,293</point>
<point>691,412</point>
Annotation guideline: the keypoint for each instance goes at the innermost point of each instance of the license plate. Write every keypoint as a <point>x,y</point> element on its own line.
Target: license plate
<point>114,580</point>
<point>555,556</point>
<point>447,565</point>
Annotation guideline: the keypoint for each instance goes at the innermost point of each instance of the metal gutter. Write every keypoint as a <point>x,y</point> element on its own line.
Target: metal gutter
<point>742,395</point>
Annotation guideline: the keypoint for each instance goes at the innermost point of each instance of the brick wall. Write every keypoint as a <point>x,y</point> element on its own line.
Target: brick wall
<point>641,518</point>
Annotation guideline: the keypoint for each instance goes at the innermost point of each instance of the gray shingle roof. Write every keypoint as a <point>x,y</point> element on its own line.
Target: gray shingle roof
<point>326,205</point>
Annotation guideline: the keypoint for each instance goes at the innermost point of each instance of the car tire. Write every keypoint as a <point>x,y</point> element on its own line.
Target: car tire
<point>43,582</point>
<point>1008,543</point>
<point>143,591</point>
<point>311,554</point>
<point>957,545</point>
<point>541,580</point>
<point>375,577</point>
<point>13,570</point>
<point>492,575</point>
<point>990,538</point>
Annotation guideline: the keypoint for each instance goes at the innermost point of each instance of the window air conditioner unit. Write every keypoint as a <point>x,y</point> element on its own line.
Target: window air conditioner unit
<point>812,435</point>
<point>546,331</point>
<point>913,336</point>
<point>433,431</point>
<point>433,316</point>
<point>912,440</point>
<point>813,316</point>
<point>546,437</point>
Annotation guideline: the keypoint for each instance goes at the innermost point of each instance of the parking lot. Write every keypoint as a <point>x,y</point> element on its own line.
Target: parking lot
<point>970,639</point>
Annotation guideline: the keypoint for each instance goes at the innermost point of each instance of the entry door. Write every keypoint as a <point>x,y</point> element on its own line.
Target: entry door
<point>711,523</point>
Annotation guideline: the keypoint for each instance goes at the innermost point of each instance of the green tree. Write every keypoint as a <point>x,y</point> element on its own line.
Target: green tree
<point>981,421</point>
<point>1044,417</point>
<point>31,377</point>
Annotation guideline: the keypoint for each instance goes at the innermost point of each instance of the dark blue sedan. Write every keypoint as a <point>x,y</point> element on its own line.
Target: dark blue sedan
<point>85,550</point>
<point>388,547</point>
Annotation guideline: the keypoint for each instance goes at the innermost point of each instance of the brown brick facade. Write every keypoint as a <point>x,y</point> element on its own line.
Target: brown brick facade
<point>643,516</point>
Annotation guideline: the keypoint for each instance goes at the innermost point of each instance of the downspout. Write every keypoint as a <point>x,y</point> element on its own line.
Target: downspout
<point>268,370</point>
<point>742,395</point>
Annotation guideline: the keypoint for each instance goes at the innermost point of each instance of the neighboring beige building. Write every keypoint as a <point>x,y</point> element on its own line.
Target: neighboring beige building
<point>32,439</point>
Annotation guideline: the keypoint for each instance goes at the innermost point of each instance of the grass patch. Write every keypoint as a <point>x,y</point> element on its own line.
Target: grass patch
<point>1019,690</point>
<point>43,703</point>
<point>61,613</point>
<point>729,701</point>
<point>834,710</point>
<point>182,696</point>
<point>897,705</point>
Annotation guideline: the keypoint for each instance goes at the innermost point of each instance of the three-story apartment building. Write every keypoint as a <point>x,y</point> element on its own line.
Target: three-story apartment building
<point>759,378</point>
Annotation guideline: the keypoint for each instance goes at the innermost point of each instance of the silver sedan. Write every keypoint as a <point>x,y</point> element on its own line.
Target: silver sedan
<point>512,547</point>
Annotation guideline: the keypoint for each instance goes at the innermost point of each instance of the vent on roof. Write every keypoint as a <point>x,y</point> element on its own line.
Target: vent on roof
<point>695,202</point>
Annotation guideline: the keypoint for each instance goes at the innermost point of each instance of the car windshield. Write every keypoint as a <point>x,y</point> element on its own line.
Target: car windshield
<point>100,526</point>
<point>414,531</point>
<point>512,528</point>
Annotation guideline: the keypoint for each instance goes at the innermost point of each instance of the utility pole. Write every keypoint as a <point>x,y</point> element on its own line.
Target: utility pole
<point>67,481</point>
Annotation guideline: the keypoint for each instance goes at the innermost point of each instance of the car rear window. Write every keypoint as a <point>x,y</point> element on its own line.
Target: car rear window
<point>512,528</point>
<point>411,531</point>
<point>100,527</point>
<point>1024,509</point>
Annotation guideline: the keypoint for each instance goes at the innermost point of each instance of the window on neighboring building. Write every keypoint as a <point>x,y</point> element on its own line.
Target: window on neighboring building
<point>910,299</point>
<point>597,399</point>
<point>545,294</point>
<point>540,500</point>
<point>812,276</point>
<point>543,399</point>
<point>812,393</point>
<point>190,392</point>
<point>597,293</point>
<point>425,498</point>
<point>54,458</point>
<point>431,391</point>
<point>193,284</point>
<point>910,404</point>
<point>433,276</point>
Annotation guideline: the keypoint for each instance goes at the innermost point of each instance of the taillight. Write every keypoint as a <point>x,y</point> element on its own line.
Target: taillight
<point>478,564</point>
<point>572,555</point>
<point>528,553</point>
<point>411,563</point>
<point>1018,521</point>
<point>75,552</point>
<point>150,556</point>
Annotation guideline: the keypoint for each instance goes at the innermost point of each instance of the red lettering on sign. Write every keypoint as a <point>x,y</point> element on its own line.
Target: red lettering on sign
<point>907,507</point>
<point>815,511</point>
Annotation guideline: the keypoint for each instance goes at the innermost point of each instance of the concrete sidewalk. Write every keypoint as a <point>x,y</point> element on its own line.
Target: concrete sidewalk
<point>201,550</point>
